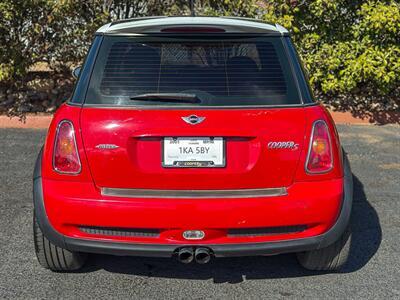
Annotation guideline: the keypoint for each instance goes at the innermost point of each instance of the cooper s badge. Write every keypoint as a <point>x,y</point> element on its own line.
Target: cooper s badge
<point>283,145</point>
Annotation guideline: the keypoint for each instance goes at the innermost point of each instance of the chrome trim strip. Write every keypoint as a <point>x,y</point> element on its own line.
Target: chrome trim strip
<point>194,194</point>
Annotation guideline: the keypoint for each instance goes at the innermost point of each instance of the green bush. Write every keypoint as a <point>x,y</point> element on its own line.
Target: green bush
<point>351,49</point>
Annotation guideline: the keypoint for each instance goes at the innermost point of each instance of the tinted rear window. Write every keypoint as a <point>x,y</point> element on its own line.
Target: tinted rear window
<point>228,72</point>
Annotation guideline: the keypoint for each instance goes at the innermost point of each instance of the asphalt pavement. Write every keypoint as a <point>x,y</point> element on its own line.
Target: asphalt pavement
<point>373,271</point>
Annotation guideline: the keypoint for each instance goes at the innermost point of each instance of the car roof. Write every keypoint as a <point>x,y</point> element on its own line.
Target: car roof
<point>156,24</point>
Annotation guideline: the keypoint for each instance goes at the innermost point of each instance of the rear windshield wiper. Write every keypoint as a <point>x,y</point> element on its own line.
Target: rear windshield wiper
<point>167,97</point>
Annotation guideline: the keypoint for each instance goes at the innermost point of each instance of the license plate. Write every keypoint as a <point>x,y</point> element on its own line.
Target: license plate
<point>193,152</point>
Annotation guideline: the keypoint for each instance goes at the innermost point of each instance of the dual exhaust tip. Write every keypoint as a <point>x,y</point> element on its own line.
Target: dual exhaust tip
<point>201,255</point>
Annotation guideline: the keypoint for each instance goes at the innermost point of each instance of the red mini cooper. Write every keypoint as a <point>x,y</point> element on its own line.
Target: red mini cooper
<point>192,137</point>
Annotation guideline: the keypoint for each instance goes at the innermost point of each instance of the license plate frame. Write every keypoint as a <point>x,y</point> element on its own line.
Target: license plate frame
<point>194,163</point>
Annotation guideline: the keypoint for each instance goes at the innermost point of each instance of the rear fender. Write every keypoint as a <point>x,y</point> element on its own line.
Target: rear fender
<point>39,209</point>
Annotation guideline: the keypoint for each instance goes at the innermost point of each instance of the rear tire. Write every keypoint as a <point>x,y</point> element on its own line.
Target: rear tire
<point>330,258</point>
<point>334,256</point>
<point>53,257</point>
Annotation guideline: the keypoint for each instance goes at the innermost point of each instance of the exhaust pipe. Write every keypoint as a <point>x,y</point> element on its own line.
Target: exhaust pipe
<point>202,255</point>
<point>185,255</point>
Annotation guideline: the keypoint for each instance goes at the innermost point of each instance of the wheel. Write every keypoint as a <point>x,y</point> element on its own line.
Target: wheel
<point>330,258</point>
<point>53,257</point>
<point>334,256</point>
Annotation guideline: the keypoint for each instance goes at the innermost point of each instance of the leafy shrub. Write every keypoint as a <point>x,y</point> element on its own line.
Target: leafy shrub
<point>351,49</point>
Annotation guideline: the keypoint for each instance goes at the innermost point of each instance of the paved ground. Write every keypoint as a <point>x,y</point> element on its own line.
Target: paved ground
<point>373,271</point>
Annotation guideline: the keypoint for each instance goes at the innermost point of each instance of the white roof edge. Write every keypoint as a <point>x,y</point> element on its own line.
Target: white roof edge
<point>103,28</point>
<point>281,29</point>
<point>231,24</point>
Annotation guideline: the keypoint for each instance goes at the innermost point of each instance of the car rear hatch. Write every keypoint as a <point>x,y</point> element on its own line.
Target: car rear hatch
<point>125,147</point>
<point>235,94</point>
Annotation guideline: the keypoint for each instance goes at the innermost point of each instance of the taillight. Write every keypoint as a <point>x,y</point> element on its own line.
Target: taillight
<point>65,157</point>
<point>319,158</point>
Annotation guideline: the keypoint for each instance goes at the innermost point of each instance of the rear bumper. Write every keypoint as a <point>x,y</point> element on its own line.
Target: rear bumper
<point>46,214</point>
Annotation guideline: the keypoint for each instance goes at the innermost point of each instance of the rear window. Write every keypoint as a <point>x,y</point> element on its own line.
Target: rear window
<point>200,72</point>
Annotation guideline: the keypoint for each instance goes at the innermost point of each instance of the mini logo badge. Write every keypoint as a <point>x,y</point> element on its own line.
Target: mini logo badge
<point>283,145</point>
<point>193,119</point>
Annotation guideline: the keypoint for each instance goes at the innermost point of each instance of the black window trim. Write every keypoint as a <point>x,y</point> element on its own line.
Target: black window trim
<point>304,87</point>
<point>78,97</point>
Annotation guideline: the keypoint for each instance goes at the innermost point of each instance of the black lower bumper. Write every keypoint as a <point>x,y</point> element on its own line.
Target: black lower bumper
<point>167,250</point>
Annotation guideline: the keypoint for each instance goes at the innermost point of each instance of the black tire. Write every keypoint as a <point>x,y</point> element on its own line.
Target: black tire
<point>53,257</point>
<point>334,256</point>
<point>330,258</point>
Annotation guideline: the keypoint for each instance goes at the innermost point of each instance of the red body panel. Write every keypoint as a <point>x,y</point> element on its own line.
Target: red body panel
<point>139,133</point>
<point>73,204</point>
<point>74,200</point>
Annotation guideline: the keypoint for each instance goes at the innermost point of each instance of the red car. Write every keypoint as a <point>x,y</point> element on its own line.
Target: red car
<point>192,137</point>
